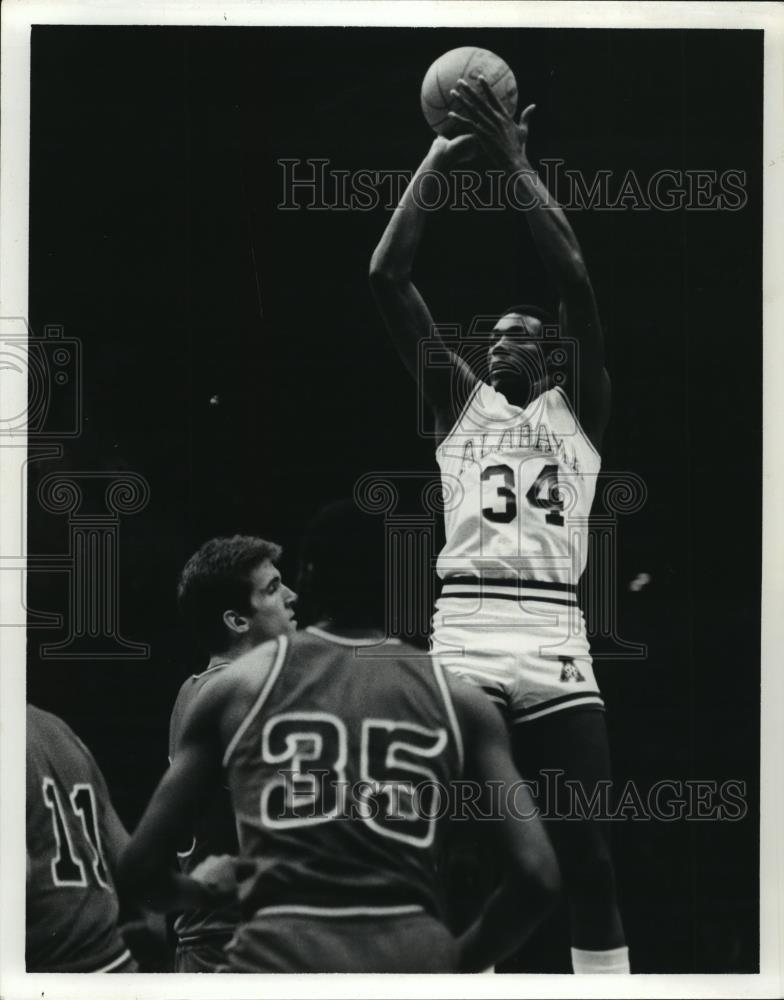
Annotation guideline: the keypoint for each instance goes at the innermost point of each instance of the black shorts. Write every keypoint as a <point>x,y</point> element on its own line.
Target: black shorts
<point>353,939</point>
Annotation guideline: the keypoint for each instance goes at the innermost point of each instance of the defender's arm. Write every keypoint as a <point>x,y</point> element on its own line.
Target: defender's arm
<point>144,870</point>
<point>532,882</point>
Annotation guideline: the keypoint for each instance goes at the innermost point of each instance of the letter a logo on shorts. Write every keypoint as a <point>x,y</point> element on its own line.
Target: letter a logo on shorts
<point>569,670</point>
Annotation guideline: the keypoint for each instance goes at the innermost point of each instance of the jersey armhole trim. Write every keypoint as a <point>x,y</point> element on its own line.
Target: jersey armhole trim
<point>446,694</point>
<point>465,409</point>
<point>580,427</point>
<point>344,640</point>
<point>272,676</point>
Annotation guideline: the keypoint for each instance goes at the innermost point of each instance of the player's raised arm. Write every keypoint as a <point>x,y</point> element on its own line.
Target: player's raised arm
<point>532,880</point>
<point>402,308</point>
<point>505,142</point>
<point>145,870</point>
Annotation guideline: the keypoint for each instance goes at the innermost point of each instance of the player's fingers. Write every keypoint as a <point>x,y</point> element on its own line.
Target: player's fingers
<point>462,105</point>
<point>492,97</point>
<point>464,100</point>
<point>474,126</point>
<point>474,100</point>
<point>471,111</point>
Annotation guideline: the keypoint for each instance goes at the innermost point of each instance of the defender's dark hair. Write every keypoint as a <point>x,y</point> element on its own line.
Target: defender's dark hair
<point>216,579</point>
<point>342,565</point>
<point>544,317</point>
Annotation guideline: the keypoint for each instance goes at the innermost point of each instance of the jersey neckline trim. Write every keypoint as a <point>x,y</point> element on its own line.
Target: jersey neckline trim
<point>342,640</point>
<point>272,676</point>
<point>212,666</point>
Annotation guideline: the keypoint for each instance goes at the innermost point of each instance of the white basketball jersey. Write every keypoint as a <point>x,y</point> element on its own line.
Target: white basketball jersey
<point>518,489</point>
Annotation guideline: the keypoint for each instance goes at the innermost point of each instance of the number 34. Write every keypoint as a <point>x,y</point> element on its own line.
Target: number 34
<point>544,494</point>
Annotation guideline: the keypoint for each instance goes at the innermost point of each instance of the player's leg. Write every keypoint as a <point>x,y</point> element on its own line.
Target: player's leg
<point>574,741</point>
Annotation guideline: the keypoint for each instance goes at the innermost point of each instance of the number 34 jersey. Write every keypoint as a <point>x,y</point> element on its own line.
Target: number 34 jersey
<point>338,774</point>
<point>518,488</point>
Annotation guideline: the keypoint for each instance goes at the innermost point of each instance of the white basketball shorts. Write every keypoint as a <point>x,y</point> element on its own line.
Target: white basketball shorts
<point>522,642</point>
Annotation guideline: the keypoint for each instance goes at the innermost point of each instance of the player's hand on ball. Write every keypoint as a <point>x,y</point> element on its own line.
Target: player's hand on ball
<point>218,874</point>
<point>502,138</point>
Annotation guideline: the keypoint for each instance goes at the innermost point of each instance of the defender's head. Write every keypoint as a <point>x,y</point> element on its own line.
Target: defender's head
<point>342,566</point>
<point>517,363</point>
<point>231,594</point>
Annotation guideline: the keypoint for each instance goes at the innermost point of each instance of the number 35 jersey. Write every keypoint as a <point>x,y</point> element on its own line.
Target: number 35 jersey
<point>518,488</point>
<point>338,774</point>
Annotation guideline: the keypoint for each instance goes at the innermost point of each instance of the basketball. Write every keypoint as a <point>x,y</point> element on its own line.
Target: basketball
<point>467,63</point>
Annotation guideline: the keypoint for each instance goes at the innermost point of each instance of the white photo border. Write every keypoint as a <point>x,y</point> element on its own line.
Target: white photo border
<point>17,18</point>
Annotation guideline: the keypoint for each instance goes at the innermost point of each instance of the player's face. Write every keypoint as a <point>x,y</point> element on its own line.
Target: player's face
<point>515,360</point>
<point>271,604</point>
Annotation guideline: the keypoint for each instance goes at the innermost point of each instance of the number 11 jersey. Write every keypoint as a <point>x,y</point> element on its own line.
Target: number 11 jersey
<point>518,488</point>
<point>72,833</point>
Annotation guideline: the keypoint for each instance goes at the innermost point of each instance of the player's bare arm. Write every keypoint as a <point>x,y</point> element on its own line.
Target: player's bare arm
<point>145,868</point>
<point>400,303</point>
<point>533,880</point>
<point>186,788</point>
<point>115,837</point>
<point>505,142</point>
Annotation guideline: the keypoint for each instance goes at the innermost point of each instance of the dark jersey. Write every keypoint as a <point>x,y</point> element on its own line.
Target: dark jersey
<point>215,832</point>
<point>72,829</point>
<point>338,774</point>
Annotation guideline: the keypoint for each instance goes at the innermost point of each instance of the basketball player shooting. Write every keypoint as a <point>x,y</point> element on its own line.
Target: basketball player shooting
<point>518,445</point>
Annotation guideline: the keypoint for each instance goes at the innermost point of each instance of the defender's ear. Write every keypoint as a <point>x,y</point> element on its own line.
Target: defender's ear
<point>235,622</point>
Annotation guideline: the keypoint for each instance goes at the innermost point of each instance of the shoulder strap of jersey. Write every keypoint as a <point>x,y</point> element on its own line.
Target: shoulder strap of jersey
<point>269,682</point>
<point>462,414</point>
<point>560,394</point>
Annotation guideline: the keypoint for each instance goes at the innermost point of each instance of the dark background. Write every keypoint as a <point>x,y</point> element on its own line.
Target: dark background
<point>155,240</point>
